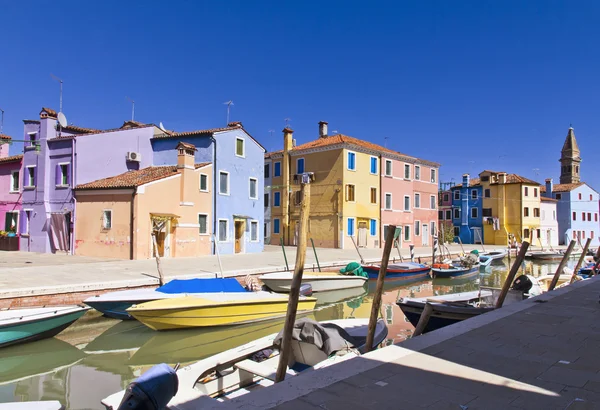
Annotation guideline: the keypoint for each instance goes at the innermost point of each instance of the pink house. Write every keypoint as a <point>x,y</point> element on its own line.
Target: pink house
<point>409,188</point>
<point>10,188</point>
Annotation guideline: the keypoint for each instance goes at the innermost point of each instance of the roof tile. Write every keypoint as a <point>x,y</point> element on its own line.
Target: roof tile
<point>564,187</point>
<point>13,158</point>
<point>5,137</point>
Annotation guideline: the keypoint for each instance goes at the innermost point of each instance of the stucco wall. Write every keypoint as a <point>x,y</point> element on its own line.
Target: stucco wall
<point>587,205</point>
<point>9,201</point>
<point>548,224</point>
<point>398,186</point>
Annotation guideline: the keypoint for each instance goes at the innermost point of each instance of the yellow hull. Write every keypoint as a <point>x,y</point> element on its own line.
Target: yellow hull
<point>190,312</point>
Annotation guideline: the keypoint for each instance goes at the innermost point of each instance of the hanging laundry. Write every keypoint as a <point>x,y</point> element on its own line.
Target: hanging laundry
<point>496,224</point>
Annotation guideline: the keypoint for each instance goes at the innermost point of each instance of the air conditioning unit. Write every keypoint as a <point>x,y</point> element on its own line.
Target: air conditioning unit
<point>134,156</point>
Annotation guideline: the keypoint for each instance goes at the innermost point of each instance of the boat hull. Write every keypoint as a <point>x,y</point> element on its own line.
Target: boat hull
<point>453,273</point>
<point>115,309</point>
<point>282,282</point>
<point>442,315</point>
<point>398,274</point>
<point>43,327</point>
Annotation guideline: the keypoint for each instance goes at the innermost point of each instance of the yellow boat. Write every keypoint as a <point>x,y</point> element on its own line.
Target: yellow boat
<point>215,309</point>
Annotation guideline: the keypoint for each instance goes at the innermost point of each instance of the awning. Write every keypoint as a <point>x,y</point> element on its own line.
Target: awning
<point>172,216</point>
<point>241,217</point>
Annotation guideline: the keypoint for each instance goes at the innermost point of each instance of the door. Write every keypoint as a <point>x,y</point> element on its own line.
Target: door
<point>296,232</point>
<point>362,234</point>
<point>240,228</point>
<point>425,233</point>
<point>476,235</point>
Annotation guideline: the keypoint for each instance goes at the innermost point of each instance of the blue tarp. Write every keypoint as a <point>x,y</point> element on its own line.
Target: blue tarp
<point>207,285</point>
<point>152,390</point>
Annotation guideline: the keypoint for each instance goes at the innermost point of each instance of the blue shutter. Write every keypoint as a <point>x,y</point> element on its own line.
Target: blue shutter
<point>373,227</point>
<point>350,227</point>
<point>300,166</point>
<point>351,160</point>
<point>373,165</point>
<point>276,226</point>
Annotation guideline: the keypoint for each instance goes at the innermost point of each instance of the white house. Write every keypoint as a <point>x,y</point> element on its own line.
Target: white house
<point>548,223</point>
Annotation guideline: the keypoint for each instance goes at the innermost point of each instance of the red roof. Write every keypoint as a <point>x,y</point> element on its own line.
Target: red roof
<point>546,199</point>
<point>13,158</point>
<point>564,187</point>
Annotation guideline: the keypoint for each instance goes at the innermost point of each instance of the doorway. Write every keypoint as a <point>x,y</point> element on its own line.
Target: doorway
<point>161,228</point>
<point>240,230</point>
<point>425,233</point>
<point>362,234</point>
<point>477,238</point>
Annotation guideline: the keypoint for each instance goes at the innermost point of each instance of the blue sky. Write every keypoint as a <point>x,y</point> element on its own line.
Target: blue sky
<point>473,85</point>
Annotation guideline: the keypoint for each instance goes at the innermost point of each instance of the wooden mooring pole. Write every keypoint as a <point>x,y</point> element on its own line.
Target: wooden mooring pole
<point>295,286</point>
<point>424,319</point>
<point>561,266</point>
<point>389,240</point>
<point>581,259</point>
<point>511,275</point>
<point>161,278</point>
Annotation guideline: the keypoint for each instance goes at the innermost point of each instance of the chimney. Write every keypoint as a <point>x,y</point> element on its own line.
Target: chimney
<point>235,124</point>
<point>465,181</point>
<point>549,187</point>
<point>288,139</point>
<point>186,167</point>
<point>502,178</point>
<point>322,129</point>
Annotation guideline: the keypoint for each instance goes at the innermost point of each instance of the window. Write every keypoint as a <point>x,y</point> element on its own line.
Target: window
<point>526,211</point>
<point>350,193</point>
<point>267,170</point>
<point>386,231</point>
<point>61,177</point>
<point>388,167</point>
<point>583,216</point>
<point>417,172</point>
<point>456,213</point>
<point>582,234</point>
<point>11,221</point>
<point>456,194</point>
<point>300,166</point>
<point>433,227</point>
<point>31,176</point>
<point>203,182</point>
<point>266,200</point>
<point>417,228</point>
<point>446,198</point>
<point>574,216</point>
<point>591,199</point>
<point>595,217</point>
<point>352,161</point>
<point>558,196</point>
<point>277,199</point>
<point>265,230</point>
<point>538,232</point>
<point>433,177</point>
<point>487,193</point>
<point>456,231</point>
<point>432,201</point>
<point>275,226</point>
<point>107,219</point>
<point>277,169</point>
<point>240,147</point>
<point>440,215</point>
<point>525,233</point>
<point>580,196</point>
<point>202,224</point>
<point>417,202</point>
<point>373,227</point>
<point>373,195</point>
<point>374,165</point>
<point>298,198</point>
<point>536,212</point>
<point>486,212</point>
<point>253,188</point>
<point>485,178</point>
<point>589,217</point>
<point>474,212</point>
<point>223,234</point>
<point>406,171</point>
<point>526,191</point>
<point>254,231</point>
<point>224,183</point>
<point>473,194</point>
<point>350,226</point>
<point>406,203</point>
<point>32,138</point>
<point>407,233</point>
<point>388,201</point>
<point>14,181</point>
<point>535,193</point>
<point>27,215</point>
<point>448,214</point>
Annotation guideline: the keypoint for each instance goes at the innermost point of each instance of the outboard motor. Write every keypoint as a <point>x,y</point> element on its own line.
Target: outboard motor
<point>151,391</point>
<point>522,284</point>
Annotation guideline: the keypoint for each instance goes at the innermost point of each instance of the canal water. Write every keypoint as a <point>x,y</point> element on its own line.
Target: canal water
<point>98,356</point>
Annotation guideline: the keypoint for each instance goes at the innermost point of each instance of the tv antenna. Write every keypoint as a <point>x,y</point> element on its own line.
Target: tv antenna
<point>536,171</point>
<point>61,86</point>
<point>385,143</point>
<point>271,132</point>
<point>229,104</point>
<point>1,120</point>
<point>132,107</point>
<point>287,122</point>
<point>62,120</point>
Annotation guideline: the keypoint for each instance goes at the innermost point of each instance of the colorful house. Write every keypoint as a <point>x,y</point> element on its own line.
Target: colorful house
<point>548,223</point>
<point>467,208</point>
<point>118,216</point>
<point>357,190</point>
<point>268,172</point>
<point>511,208</point>
<point>10,188</point>
<point>577,202</point>
<point>445,212</point>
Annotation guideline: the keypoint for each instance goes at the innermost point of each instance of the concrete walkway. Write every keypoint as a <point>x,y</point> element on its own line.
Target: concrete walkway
<point>27,274</point>
<point>537,354</point>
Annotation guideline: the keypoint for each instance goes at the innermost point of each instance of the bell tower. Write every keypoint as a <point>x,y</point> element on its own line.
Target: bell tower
<point>570,160</point>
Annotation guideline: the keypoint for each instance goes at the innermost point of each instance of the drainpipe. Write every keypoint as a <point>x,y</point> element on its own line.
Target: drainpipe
<point>131,221</point>
<point>214,213</point>
<point>73,168</point>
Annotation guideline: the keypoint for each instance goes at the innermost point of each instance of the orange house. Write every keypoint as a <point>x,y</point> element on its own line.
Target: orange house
<point>118,217</point>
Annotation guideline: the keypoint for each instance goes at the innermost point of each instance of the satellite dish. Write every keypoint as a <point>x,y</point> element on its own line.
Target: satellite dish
<point>62,120</point>
<point>161,126</point>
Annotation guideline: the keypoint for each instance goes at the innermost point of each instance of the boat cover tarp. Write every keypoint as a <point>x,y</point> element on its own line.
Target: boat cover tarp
<point>151,391</point>
<point>354,268</point>
<point>207,285</point>
<point>328,337</point>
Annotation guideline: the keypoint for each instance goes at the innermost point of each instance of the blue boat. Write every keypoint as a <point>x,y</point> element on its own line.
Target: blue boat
<point>27,325</point>
<point>452,271</point>
<point>115,304</point>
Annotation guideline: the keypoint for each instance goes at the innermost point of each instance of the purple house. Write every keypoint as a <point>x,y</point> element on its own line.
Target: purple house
<point>56,159</point>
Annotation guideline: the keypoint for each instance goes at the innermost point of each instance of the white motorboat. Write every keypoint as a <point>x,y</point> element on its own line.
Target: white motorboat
<point>253,366</point>
<point>319,281</point>
<point>496,254</point>
<point>32,405</point>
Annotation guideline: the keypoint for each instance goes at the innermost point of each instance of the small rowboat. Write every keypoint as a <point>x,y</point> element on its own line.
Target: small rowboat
<point>399,271</point>
<point>495,255</point>
<point>319,281</point>
<point>545,255</point>
<point>450,271</point>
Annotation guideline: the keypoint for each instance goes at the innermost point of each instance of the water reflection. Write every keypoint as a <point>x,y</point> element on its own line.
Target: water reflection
<point>97,356</point>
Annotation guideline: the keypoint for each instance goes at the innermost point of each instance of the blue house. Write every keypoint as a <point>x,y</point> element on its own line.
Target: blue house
<point>238,183</point>
<point>467,201</point>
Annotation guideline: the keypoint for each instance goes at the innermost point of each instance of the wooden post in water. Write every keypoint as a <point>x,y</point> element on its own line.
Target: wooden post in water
<point>161,278</point>
<point>398,249</point>
<point>295,286</point>
<point>424,319</point>
<point>581,259</point>
<point>389,239</point>
<point>511,275</point>
<point>597,262</point>
<point>561,265</point>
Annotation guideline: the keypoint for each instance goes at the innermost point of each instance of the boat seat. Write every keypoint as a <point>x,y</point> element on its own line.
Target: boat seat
<point>306,353</point>
<point>266,369</point>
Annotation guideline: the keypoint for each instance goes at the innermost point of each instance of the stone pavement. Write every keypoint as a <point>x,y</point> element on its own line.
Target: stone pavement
<point>31,274</point>
<point>537,354</point>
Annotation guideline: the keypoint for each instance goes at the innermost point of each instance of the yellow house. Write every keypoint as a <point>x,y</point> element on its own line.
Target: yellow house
<point>511,207</point>
<point>345,190</point>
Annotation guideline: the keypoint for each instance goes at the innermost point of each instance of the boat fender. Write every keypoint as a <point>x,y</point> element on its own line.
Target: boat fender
<point>306,289</point>
<point>151,391</point>
<point>522,284</point>
<point>441,266</point>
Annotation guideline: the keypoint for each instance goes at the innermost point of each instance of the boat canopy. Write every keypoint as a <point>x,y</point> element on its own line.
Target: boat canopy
<point>327,337</point>
<point>205,285</point>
